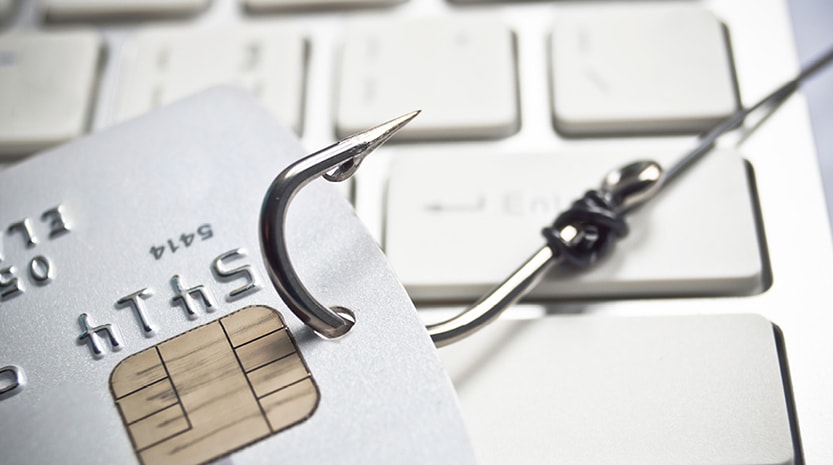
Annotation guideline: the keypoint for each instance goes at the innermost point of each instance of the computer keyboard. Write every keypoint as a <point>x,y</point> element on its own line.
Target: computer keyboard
<point>526,104</point>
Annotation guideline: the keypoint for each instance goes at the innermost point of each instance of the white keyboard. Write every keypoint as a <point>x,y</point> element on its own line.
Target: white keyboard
<point>525,105</point>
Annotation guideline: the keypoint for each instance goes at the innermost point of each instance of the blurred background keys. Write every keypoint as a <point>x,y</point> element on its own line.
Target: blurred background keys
<point>78,9</point>
<point>460,73</point>
<point>640,70</point>
<point>5,9</point>
<point>46,87</point>
<point>162,65</point>
<point>265,5</point>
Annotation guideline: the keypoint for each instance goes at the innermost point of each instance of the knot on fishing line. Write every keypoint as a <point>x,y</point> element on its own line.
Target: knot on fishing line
<point>587,230</point>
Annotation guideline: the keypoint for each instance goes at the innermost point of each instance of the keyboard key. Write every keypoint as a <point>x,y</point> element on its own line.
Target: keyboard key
<point>46,88</point>
<point>164,65</point>
<point>264,5</point>
<point>460,72</point>
<point>457,224</point>
<point>641,69</point>
<point>6,8</point>
<point>704,390</point>
<point>74,9</point>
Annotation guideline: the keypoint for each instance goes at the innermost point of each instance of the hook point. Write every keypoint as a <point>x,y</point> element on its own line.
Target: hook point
<point>365,142</point>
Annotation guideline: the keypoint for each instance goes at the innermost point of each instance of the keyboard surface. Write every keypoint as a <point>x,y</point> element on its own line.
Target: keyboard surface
<point>516,97</point>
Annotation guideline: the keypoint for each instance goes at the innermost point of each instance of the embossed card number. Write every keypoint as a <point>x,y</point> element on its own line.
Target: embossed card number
<point>185,240</point>
<point>214,389</point>
<point>40,268</point>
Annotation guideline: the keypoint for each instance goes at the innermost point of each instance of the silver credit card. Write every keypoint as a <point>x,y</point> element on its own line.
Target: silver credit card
<point>138,324</point>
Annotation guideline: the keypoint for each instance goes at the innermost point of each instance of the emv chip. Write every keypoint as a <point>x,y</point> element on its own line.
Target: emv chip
<point>214,389</point>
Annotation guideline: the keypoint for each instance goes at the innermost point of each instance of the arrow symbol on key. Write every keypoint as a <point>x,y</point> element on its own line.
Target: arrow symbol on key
<point>458,208</point>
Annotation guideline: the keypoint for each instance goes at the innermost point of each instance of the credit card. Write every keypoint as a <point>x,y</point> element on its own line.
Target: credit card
<point>139,326</point>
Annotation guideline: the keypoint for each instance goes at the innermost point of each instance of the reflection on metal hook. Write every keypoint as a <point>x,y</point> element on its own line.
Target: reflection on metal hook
<point>336,163</point>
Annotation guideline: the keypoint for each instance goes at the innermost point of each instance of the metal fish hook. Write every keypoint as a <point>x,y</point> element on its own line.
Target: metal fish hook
<point>336,163</point>
<point>621,191</point>
<point>580,235</point>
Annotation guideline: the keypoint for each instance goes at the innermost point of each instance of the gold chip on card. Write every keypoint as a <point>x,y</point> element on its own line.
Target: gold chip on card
<point>215,389</point>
